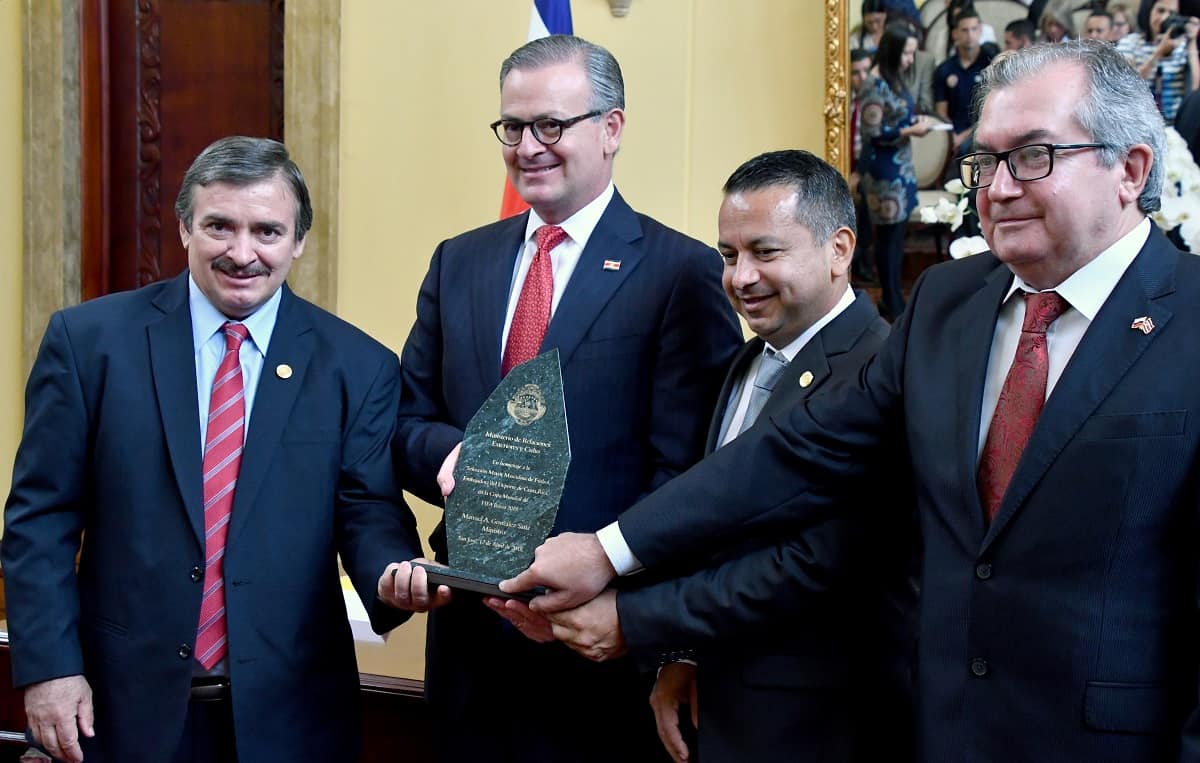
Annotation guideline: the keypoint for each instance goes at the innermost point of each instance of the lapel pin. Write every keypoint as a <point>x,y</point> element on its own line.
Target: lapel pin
<point>806,378</point>
<point>612,264</point>
<point>1143,324</point>
<point>283,371</point>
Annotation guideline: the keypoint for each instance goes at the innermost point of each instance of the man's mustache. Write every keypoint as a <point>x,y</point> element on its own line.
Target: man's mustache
<point>228,267</point>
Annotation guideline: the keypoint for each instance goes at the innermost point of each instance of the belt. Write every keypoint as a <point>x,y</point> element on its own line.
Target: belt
<point>211,689</point>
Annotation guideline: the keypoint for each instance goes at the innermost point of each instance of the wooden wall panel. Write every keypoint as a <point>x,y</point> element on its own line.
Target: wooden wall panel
<point>161,80</point>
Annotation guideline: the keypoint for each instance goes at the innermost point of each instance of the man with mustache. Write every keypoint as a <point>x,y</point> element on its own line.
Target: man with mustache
<point>209,445</point>
<point>644,334</point>
<point>1043,400</point>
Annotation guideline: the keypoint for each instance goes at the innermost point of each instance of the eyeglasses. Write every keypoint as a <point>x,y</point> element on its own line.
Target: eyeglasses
<point>546,130</point>
<point>1032,162</point>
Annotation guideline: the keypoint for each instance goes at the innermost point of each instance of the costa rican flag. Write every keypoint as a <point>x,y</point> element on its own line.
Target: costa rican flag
<point>547,17</point>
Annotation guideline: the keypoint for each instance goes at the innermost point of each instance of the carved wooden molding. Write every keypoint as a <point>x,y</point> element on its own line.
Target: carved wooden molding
<point>837,104</point>
<point>149,141</point>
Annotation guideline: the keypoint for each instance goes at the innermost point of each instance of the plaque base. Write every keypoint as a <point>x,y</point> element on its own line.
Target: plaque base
<point>472,581</point>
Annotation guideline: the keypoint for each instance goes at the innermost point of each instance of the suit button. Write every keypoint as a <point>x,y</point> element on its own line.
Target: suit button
<point>983,571</point>
<point>197,573</point>
<point>979,667</point>
<point>184,651</point>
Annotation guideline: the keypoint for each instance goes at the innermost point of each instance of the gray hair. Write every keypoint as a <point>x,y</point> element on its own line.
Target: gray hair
<point>603,71</point>
<point>1117,110</point>
<point>823,202</point>
<point>242,161</point>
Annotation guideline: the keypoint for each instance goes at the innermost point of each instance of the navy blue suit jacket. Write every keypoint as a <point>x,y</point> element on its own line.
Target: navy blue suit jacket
<point>642,348</point>
<point>643,351</point>
<point>1068,628</point>
<point>111,453</point>
<point>791,632</point>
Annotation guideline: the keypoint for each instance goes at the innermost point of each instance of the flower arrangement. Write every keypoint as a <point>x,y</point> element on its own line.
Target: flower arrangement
<point>1180,193</point>
<point>945,211</point>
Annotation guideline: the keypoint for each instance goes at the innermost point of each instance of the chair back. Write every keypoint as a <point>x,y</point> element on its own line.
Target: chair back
<point>930,152</point>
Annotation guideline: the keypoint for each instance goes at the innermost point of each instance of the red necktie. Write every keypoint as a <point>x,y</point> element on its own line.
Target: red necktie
<point>222,459</point>
<point>533,306</point>
<point>1020,402</point>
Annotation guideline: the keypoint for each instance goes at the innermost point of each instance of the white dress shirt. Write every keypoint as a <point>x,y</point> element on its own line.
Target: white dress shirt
<point>789,352</point>
<point>209,345</point>
<point>610,537</point>
<point>1085,290</point>
<point>563,258</point>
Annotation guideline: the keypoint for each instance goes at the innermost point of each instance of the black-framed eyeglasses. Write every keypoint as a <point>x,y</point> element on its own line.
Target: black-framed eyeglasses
<point>1031,162</point>
<point>546,130</point>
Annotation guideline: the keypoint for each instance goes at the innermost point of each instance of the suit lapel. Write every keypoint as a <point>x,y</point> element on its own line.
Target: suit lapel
<point>591,286</point>
<point>1107,351</point>
<point>731,391</point>
<point>173,364</point>
<point>491,285</point>
<point>291,343</point>
<point>971,363</point>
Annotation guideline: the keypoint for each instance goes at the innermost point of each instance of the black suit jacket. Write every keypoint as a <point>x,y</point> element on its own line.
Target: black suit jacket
<point>788,631</point>
<point>642,347</point>
<point>1068,628</point>
<point>111,461</point>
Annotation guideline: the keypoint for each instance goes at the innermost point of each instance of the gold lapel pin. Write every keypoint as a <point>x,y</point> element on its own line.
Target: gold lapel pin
<point>283,371</point>
<point>806,378</point>
<point>1143,324</point>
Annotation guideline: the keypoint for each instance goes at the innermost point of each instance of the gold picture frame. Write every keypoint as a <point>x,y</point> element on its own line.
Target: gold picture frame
<point>837,102</point>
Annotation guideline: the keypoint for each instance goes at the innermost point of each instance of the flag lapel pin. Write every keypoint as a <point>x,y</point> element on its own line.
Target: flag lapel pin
<point>1143,324</point>
<point>612,265</point>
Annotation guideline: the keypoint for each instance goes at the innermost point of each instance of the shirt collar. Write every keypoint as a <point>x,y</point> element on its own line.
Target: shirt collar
<point>1087,288</point>
<point>580,225</point>
<point>792,348</point>
<point>207,320</point>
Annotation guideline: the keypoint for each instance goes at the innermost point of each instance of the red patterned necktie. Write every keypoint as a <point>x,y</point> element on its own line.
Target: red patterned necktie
<point>533,306</point>
<point>1020,402</point>
<point>222,459</point>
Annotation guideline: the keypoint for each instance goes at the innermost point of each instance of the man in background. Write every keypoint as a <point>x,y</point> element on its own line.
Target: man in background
<point>860,267</point>
<point>644,334</point>
<point>955,78</point>
<point>1019,34</point>
<point>1098,26</point>
<point>210,446</point>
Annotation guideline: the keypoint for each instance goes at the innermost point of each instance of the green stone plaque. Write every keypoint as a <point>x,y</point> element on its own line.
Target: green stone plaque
<point>508,480</point>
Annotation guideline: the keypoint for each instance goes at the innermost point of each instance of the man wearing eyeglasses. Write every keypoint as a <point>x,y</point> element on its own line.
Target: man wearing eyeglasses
<point>1045,396</point>
<point>644,335</point>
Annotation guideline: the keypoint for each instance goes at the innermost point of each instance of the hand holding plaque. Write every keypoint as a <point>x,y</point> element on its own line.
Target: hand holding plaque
<point>508,480</point>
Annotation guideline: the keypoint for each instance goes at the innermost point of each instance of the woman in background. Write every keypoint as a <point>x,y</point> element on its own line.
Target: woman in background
<point>1165,55</point>
<point>874,16</point>
<point>888,120</point>
<point>1057,23</point>
<point>1122,23</point>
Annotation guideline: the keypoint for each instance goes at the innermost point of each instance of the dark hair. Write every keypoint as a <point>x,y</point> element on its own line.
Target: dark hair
<point>1021,28</point>
<point>859,54</point>
<point>823,202</point>
<point>968,12</point>
<point>241,161</point>
<point>1101,15</point>
<point>603,71</point>
<point>873,6</point>
<point>887,55</point>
